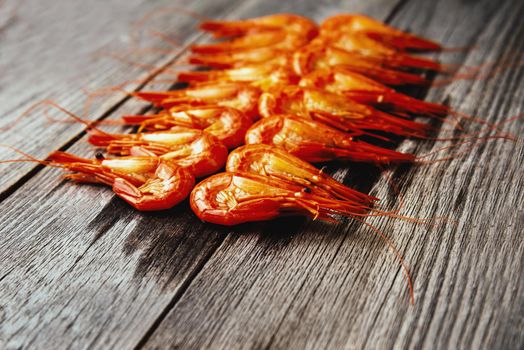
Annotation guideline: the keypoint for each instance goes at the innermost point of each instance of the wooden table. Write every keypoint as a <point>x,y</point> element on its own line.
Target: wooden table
<point>81,269</point>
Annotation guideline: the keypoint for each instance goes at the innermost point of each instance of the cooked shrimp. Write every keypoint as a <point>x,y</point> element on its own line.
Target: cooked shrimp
<point>147,183</point>
<point>315,142</point>
<point>324,56</point>
<point>271,161</point>
<point>367,91</point>
<point>283,21</point>
<point>234,198</point>
<point>235,95</point>
<point>282,31</point>
<point>380,32</point>
<point>263,76</point>
<point>228,125</point>
<point>199,152</point>
<point>335,110</point>
<point>265,55</point>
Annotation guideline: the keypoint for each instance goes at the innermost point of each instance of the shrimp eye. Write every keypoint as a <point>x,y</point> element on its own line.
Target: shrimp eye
<point>99,155</point>
<point>306,190</point>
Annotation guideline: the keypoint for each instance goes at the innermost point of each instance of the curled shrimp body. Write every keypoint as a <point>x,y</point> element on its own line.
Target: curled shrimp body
<point>384,34</point>
<point>367,91</point>
<point>335,110</point>
<point>146,183</point>
<point>315,142</point>
<point>228,125</point>
<point>324,56</point>
<point>263,76</point>
<point>273,162</point>
<point>242,97</point>
<point>199,152</point>
<point>282,31</point>
<point>235,198</point>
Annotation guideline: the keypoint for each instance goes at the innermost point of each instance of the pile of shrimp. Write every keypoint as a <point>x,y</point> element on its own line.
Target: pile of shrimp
<point>274,95</point>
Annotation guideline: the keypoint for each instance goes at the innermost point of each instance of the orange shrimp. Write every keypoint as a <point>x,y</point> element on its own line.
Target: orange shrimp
<point>278,40</point>
<point>380,32</point>
<point>239,197</point>
<point>273,162</point>
<point>282,21</point>
<point>235,95</point>
<point>283,31</point>
<point>374,50</point>
<point>315,142</point>
<point>146,183</point>
<point>199,152</point>
<point>324,56</point>
<point>367,91</point>
<point>265,55</point>
<point>228,125</point>
<point>263,76</point>
<point>335,110</point>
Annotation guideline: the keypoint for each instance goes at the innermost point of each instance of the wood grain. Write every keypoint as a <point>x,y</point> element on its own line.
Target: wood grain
<point>312,286</point>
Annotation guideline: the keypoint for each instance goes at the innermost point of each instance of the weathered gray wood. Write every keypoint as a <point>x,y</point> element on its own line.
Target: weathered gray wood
<point>295,284</point>
<point>81,269</point>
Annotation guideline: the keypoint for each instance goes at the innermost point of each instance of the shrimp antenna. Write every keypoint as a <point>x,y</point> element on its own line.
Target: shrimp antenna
<point>138,25</point>
<point>89,124</point>
<point>398,256</point>
<point>151,69</point>
<point>474,142</point>
<point>28,158</point>
<point>458,49</point>
<point>165,38</point>
<point>475,73</point>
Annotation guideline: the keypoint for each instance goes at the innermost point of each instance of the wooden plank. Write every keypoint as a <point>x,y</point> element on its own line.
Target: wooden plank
<point>81,269</point>
<point>53,50</point>
<point>296,284</point>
